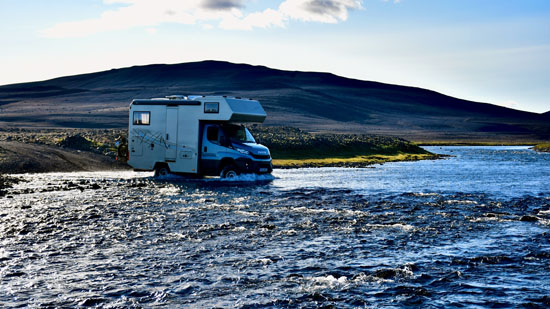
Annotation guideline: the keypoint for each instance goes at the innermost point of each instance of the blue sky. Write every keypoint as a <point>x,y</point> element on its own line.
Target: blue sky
<point>483,50</point>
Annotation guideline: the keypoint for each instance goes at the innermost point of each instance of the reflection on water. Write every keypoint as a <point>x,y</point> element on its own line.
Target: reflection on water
<point>469,230</point>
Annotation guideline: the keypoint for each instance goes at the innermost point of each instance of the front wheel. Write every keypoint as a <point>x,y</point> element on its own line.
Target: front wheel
<point>229,172</point>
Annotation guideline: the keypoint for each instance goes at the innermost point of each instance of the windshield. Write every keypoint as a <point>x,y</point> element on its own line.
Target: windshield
<point>238,134</point>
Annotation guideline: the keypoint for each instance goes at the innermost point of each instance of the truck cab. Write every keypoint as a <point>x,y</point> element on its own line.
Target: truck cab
<point>229,149</point>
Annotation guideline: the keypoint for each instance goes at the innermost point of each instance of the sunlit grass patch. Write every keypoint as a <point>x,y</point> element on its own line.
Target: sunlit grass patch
<point>355,161</point>
<point>459,142</point>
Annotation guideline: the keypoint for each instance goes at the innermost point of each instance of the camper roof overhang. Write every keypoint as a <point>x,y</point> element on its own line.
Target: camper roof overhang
<point>246,110</point>
<point>164,102</point>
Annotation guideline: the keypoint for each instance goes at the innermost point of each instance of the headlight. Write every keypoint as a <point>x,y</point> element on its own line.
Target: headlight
<point>246,152</point>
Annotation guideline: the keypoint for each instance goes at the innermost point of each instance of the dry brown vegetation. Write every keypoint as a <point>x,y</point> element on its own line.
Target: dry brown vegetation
<point>40,151</point>
<point>101,141</point>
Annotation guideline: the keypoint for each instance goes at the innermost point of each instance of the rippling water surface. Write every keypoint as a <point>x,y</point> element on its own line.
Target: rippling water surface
<point>471,230</point>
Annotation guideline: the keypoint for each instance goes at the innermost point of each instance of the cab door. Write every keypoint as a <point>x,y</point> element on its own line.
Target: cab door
<point>211,148</point>
<point>171,139</point>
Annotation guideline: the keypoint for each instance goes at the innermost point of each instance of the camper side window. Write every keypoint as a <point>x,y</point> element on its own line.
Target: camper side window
<point>211,107</point>
<point>212,134</point>
<point>142,118</point>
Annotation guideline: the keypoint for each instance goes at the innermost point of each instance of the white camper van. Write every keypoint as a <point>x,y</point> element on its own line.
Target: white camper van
<point>198,135</point>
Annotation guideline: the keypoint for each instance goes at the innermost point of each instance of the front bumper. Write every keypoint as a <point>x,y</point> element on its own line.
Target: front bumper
<point>249,166</point>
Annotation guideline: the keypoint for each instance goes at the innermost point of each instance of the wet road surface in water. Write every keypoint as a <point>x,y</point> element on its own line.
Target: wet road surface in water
<point>472,230</point>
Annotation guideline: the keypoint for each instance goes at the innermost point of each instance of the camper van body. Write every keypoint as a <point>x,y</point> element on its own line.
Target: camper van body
<point>200,135</point>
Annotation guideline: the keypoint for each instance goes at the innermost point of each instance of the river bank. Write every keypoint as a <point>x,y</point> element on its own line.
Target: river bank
<point>67,150</point>
<point>42,151</point>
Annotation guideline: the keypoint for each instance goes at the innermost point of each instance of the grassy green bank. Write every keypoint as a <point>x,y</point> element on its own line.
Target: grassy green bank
<point>477,143</point>
<point>291,148</point>
<point>356,161</point>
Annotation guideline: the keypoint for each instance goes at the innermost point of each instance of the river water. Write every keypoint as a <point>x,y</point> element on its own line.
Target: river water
<point>471,230</point>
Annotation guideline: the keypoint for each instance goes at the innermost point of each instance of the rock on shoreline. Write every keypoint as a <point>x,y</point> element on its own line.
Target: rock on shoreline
<point>7,182</point>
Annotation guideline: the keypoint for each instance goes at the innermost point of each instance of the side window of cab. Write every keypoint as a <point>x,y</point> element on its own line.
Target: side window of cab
<point>212,133</point>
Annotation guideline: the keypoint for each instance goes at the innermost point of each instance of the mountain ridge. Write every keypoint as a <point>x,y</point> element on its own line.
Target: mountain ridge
<point>313,101</point>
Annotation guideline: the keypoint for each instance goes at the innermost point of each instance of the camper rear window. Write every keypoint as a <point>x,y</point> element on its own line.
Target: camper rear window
<point>211,107</point>
<point>142,118</point>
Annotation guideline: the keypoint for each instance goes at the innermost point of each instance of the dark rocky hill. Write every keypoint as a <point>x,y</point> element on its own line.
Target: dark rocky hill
<point>317,102</point>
